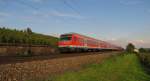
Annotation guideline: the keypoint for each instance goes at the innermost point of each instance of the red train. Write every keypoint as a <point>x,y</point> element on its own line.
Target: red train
<point>73,42</point>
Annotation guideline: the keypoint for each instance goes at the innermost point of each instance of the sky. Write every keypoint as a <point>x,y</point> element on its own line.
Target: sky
<point>117,21</point>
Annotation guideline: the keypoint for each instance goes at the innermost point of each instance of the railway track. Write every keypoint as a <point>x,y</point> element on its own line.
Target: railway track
<point>11,60</point>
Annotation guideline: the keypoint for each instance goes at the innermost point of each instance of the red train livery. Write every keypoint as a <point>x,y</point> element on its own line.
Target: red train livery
<point>76,42</point>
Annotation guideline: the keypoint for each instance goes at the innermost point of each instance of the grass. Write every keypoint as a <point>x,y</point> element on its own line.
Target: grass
<point>121,68</point>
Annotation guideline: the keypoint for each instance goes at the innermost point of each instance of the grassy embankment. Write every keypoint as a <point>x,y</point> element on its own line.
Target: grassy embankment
<point>121,68</point>
<point>14,36</point>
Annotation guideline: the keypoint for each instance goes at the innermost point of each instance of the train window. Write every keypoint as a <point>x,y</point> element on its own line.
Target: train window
<point>81,40</point>
<point>65,38</point>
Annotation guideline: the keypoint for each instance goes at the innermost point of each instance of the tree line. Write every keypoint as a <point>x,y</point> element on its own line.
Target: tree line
<point>26,36</point>
<point>131,48</point>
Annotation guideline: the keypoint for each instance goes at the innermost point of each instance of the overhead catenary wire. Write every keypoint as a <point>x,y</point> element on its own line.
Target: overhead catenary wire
<point>28,5</point>
<point>38,9</point>
<point>70,6</point>
<point>65,2</point>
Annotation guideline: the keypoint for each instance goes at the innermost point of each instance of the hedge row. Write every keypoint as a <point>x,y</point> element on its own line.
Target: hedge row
<point>145,58</point>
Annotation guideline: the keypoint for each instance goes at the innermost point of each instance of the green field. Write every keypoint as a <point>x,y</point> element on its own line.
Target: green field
<point>120,68</point>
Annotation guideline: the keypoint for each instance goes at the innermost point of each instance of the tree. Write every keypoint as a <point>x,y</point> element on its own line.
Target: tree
<point>142,50</point>
<point>28,30</point>
<point>130,47</point>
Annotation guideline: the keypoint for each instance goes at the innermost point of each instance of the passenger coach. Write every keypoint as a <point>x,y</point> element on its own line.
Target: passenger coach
<point>73,42</point>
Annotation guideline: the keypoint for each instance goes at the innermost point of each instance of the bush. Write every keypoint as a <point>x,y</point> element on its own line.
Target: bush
<point>142,50</point>
<point>145,58</point>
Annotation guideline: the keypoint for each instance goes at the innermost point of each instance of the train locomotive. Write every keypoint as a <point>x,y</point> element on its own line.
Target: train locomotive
<point>74,42</point>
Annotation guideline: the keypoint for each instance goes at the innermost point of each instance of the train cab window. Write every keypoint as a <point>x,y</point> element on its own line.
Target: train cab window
<point>65,38</point>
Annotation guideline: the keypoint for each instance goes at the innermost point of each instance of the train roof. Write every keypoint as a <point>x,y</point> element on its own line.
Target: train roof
<point>89,37</point>
<point>83,36</point>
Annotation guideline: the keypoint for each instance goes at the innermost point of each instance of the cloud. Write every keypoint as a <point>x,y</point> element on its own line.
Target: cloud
<point>54,34</point>
<point>148,10</point>
<point>56,14</point>
<point>3,14</point>
<point>113,39</point>
<point>1,0</point>
<point>1,20</point>
<point>72,15</point>
<point>37,1</point>
<point>41,17</point>
<point>138,41</point>
<point>123,42</point>
<point>130,2</point>
<point>117,41</point>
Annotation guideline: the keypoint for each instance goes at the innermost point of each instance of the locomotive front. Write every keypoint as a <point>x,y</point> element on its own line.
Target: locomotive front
<point>65,42</point>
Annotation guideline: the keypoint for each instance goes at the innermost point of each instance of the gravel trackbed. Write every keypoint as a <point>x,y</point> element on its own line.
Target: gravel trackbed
<point>36,70</point>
